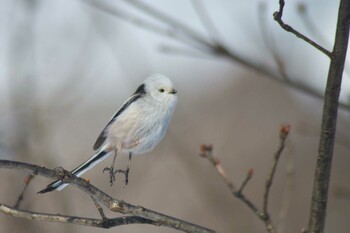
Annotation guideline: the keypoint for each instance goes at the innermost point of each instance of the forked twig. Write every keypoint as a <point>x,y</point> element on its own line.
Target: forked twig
<point>278,17</point>
<point>263,215</point>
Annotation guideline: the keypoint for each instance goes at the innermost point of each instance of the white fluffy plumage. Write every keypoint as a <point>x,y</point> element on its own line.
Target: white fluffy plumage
<point>137,127</point>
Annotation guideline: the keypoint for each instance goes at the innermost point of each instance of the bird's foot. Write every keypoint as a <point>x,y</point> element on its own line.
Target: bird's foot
<point>112,174</point>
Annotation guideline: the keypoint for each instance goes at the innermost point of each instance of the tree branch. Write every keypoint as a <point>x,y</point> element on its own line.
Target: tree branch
<point>263,215</point>
<point>278,17</point>
<point>114,205</point>
<point>100,223</point>
<point>329,116</point>
<point>329,121</point>
<point>189,37</point>
<point>20,198</point>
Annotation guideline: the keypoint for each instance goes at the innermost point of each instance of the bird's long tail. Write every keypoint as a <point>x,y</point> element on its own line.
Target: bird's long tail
<point>95,159</point>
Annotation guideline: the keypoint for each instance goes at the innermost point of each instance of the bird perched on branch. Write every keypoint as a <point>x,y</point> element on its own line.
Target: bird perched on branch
<point>137,127</point>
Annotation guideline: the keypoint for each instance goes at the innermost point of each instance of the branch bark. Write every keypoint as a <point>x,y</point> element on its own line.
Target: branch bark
<point>100,223</point>
<point>329,115</point>
<point>329,121</point>
<point>113,204</point>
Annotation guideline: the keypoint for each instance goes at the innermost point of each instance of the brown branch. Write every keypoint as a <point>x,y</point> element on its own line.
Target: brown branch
<point>99,208</point>
<point>278,17</point>
<point>283,136</point>
<point>100,223</point>
<point>329,121</point>
<point>111,203</point>
<point>207,152</point>
<point>20,198</point>
<point>263,215</point>
<point>284,131</point>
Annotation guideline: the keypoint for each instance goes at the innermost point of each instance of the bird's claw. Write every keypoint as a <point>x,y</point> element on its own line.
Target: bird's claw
<point>113,173</point>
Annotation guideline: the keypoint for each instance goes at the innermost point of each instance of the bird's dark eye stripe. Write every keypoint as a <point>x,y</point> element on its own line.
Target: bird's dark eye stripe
<point>161,90</point>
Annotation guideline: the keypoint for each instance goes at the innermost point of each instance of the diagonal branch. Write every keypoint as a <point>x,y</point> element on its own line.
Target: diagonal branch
<point>278,17</point>
<point>189,37</point>
<point>111,203</point>
<point>20,198</point>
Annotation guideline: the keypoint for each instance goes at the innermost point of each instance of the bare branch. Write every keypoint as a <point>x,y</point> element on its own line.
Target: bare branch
<point>263,215</point>
<point>329,121</point>
<point>245,182</point>
<point>278,17</point>
<point>113,204</point>
<point>99,208</point>
<point>283,136</point>
<point>312,27</point>
<point>206,152</point>
<point>20,198</point>
<point>100,223</point>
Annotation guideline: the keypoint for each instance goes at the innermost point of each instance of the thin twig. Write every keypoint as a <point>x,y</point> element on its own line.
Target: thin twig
<point>312,27</point>
<point>283,136</point>
<point>20,198</point>
<point>206,152</point>
<point>263,215</point>
<point>111,203</point>
<point>245,182</point>
<point>278,17</point>
<point>207,22</point>
<point>99,208</point>
<point>288,190</point>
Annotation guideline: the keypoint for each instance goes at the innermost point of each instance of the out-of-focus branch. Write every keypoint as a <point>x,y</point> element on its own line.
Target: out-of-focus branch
<point>190,37</point>
<point>278,17</point>
<point>263,215</point>
<point>209,25</point>
<point>269,41</point>
<point>115,205</point>
<point>288,189</point>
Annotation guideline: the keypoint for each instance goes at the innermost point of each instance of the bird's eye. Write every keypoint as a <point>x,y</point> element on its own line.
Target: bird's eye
<point>161,90</point>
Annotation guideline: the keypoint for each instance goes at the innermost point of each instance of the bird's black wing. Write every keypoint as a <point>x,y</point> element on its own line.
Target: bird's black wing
<point>140,92</point>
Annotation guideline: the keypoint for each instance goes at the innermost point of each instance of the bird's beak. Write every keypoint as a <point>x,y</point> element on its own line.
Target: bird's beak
<point>173,91</point>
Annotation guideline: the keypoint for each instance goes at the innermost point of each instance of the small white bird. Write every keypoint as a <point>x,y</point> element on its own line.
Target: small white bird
<point>137,127</point>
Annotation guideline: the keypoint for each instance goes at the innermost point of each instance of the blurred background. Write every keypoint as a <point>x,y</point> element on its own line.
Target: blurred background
<point>66,67</point>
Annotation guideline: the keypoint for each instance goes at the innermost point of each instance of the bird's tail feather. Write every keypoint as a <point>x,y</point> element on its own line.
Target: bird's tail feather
<point>96,158</point>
